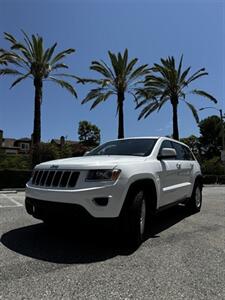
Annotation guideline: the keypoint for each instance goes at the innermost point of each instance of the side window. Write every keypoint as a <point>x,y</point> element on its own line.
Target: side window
<point>188,155</point>
<point>166,144</point>
<point>180,151</point>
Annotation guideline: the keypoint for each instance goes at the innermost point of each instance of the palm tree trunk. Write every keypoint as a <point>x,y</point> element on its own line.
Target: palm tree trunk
<point>36,136</point>
<point>37,112</point>
<point>120,100</point>
<point>175,119</point>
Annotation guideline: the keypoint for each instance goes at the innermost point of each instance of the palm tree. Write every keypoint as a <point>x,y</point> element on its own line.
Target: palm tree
<point>116,80</point>
<point>167,83</point>
<point>32,60</point>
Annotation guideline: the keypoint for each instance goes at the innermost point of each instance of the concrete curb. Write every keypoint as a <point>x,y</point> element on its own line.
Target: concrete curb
<point>8,192</point>
<point>12,191</point>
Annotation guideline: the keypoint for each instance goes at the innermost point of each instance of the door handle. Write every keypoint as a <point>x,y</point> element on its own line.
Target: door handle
<point>178,166</point>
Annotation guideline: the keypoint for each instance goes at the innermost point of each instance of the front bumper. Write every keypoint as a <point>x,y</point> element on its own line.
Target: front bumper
<point>84,198</point>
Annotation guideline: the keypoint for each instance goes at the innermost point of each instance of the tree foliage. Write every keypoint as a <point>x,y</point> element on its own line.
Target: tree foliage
<point>29,59</point>
<point>213,166</point>
<point>32,60</point>
<point>11,161</point>
<point>89,134</point>
<point>116,79</point>
<point>168,83</point>
<point>211,139</point>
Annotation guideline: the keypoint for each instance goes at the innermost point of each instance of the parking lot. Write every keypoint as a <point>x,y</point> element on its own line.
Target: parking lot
<point>183,258</point>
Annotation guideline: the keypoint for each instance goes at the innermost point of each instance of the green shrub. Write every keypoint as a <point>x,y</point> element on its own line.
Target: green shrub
<point>210,179</point>
<point>15,161</point>
<point>213,166</point>
<point>45,152</point>
<point>221,179</point>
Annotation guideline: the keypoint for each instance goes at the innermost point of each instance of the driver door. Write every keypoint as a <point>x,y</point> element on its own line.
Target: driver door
<point>169,176</point>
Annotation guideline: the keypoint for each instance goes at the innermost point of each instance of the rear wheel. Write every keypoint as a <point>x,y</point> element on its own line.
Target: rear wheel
<point>195,202</point>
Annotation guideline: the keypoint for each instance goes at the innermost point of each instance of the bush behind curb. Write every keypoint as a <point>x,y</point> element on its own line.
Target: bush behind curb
<point>11,178</point>
<point>214,179</point>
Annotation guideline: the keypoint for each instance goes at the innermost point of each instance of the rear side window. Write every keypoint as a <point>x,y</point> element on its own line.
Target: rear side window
<point>183,153</point>
<point>188,154</point>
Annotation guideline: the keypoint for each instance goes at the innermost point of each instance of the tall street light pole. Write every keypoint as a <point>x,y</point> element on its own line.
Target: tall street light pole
<point>222,127</point>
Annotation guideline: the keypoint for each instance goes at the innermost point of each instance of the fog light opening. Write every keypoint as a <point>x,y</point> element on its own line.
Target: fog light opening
<point>101,201</point>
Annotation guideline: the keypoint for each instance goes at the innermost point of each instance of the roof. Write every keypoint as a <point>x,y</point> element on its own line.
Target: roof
<point>24,139</point>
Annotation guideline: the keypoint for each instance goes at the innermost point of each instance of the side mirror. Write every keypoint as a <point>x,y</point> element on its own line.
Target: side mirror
<point>86,153</point>
<point>167,153</point>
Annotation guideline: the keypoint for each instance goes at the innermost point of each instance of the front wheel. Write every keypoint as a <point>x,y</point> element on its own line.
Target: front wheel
<point>135,219</point>
<point>195,202</point>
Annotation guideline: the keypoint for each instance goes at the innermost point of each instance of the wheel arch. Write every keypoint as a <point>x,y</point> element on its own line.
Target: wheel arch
<point>149,186</point>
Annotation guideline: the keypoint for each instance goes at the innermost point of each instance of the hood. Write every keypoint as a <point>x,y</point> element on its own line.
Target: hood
<point>91,162</point>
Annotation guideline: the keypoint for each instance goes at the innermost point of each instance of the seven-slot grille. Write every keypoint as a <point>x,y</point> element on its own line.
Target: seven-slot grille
<point>55,178</point>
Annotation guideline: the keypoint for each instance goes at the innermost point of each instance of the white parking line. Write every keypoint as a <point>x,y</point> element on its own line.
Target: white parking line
<point>17,204</point>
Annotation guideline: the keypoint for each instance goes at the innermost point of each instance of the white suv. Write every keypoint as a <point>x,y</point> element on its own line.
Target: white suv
<point>127,179</point>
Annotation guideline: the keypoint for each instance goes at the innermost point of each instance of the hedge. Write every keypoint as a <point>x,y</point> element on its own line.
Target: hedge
<point>14,178</point>
<point>214,179</point>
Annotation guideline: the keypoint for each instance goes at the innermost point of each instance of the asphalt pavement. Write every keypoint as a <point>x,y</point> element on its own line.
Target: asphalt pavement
<point>183,257</point>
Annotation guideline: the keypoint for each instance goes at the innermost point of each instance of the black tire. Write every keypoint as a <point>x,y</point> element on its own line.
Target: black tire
<point>195,203</point>
<point>133,221</point>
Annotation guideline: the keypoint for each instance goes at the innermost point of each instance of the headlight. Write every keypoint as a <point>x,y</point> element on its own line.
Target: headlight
<point>103,175</point>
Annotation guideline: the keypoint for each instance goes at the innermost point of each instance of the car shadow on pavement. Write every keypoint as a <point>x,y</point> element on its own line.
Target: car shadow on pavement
<point>80,244</point>
<point>167,219</point>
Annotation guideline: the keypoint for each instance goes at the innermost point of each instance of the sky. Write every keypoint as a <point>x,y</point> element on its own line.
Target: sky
<point>150,29</point>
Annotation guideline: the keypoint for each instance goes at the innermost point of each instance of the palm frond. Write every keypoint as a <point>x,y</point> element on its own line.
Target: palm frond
<point>48,53</point>
<point>114,62</point>
<point>19,79</point>
<point>180,66</point>
<point>59,66</point>
<point>64,84</point>
<point>141,103</point>
<point>100,68</point>
<point>194,77</point>
<point>7,71</point>
<point>95,93</point>
<point>194,111</point>
<point>61,55</point>
<point>183,75</point>
<point>9,37</point>
<point>130,66</point>
<point>162,102</point>
<point>68,75</point>
<point>204,94</point>
<point>140,71</point>
<point>109,70</point>
<point>101,98</point>
<point>102,82</point>
<point>125,58</point>
<point>28,42</point>
<point>146,111</point>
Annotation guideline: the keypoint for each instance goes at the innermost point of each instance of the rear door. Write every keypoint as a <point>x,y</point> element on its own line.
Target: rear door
<point>185,169</point>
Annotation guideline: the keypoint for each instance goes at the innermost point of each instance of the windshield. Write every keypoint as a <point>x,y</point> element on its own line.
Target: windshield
<point>136,147</point>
